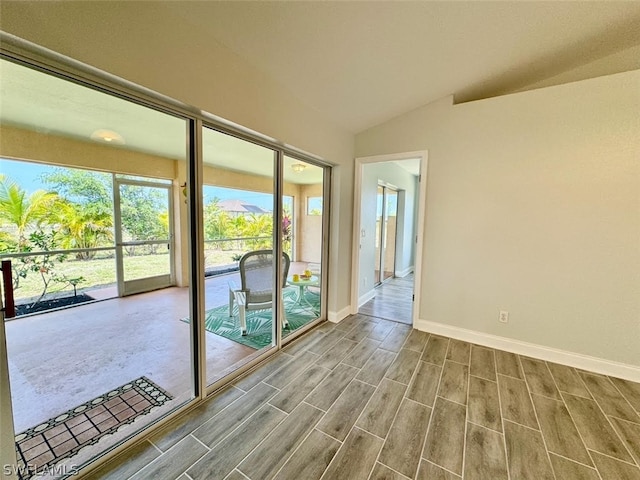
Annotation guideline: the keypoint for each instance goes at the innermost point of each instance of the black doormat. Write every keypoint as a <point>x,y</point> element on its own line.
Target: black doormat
<point>41,447</point>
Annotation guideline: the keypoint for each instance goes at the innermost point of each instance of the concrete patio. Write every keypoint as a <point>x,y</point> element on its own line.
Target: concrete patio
<point>60,359</point>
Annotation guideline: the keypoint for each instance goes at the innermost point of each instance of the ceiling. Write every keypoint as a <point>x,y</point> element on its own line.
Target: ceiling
<point>362,63</point>
<point>52,106</point>
<point>411,165</point>
<point>356,63</point>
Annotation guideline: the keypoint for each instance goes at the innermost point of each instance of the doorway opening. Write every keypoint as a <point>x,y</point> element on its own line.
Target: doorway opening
<point>135,237</point>
<point>388,223</point>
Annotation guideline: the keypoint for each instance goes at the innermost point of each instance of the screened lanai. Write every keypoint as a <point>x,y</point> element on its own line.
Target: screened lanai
<point>96,221</point>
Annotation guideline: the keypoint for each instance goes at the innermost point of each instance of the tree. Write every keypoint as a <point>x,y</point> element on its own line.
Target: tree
<point>84,227</point>
<point>143,210</point>
<point>7,242</point>
<point>258,226</point>
<point>143,214</point>
<point>45,265</point>
<point>22,211</point>
<point>83,187</point>
<point>287,234</point>
<point>86,214</point>
<point>217,222</point>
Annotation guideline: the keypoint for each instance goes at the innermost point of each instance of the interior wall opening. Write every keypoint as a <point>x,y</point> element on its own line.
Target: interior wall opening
<point>389,200</point>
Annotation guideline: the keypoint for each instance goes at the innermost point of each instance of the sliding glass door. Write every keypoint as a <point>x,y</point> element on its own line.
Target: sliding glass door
<point>386,216</point>
<point>304,286</point>
<point>87,370</point>
<point>242,291</point>
<point>165,288</point>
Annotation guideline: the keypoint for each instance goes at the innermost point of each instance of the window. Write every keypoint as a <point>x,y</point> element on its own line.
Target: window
<point>314,205</point>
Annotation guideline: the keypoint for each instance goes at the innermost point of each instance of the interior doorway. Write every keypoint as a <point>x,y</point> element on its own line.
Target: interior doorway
<point>390,195</point>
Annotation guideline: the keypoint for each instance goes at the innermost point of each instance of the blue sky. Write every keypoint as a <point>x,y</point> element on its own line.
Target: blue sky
<point>28,176</point>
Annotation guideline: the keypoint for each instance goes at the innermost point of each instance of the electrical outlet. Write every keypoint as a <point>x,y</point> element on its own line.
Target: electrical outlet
<point>504,316</point>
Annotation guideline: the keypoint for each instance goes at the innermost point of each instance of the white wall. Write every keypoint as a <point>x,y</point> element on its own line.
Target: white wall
<point>533,206</point>
<point>387,172</point>
<point>145,43</point>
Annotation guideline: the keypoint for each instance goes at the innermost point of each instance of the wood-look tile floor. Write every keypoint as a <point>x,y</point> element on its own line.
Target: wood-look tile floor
<point>373,399</point>
<point>393,300</point>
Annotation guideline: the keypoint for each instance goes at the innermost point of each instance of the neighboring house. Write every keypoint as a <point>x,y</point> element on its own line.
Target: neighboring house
<point>236,208</point>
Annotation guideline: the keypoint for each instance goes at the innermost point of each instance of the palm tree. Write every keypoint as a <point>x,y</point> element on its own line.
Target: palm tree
<point>22,211</point>
<point>217,222</point>
<point>7,242</point>
<point>82,226</point>
<point>259,226</point>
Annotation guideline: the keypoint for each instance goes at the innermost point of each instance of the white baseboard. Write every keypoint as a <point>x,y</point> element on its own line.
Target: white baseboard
<point>405,272</point>
<point>366,297</point>
<point>335,317</point>
<point>578,360</point>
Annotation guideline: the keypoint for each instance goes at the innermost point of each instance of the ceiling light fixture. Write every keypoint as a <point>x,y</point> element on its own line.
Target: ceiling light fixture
<point>298,167</point>
<point>107,136</point>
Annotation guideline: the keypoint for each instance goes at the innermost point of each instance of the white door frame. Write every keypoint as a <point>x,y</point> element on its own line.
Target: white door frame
<point>8,460</point>
<point>423,155</point>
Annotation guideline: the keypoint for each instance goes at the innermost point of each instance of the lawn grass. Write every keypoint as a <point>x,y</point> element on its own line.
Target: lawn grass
<point>101,272</point>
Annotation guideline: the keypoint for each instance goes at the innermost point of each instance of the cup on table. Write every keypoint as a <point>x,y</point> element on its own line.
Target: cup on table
<point>307,273</point>
<point>296,277</point>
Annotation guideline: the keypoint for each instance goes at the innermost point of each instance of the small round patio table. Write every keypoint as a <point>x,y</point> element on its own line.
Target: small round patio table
<point>302,284</point>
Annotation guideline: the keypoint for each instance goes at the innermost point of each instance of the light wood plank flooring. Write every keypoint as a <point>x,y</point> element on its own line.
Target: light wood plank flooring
<point>392,300</point>
<point>373,399</point>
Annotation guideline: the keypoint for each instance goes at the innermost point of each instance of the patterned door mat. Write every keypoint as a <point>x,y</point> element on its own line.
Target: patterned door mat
<point>41,447</point>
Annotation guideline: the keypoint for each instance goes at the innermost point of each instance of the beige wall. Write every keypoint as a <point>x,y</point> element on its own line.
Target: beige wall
<point>309,231</point>
<point>21,144</point>
<point>244,181</point>
<point>533,204</point>
<point>196,70</point>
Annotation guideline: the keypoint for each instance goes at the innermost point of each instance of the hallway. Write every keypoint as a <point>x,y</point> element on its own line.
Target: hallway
<point>392,300</point>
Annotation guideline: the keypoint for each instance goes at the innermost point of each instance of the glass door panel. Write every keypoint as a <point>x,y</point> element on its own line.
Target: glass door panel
<point>390,217</point>
<point>386,215</point>
<point>91,376</point>
<point>303,293</point>
<point>241,290</point>
<point>379,235</point>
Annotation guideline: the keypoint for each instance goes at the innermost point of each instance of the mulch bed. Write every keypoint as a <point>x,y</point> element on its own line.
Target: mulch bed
<point>45,305</point>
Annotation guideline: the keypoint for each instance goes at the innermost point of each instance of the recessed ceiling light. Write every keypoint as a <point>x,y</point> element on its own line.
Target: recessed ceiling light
<point>107,136</point>
<point>298,167</point>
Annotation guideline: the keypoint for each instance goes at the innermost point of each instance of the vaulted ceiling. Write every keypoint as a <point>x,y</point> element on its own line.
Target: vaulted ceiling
<point>362,63</point>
